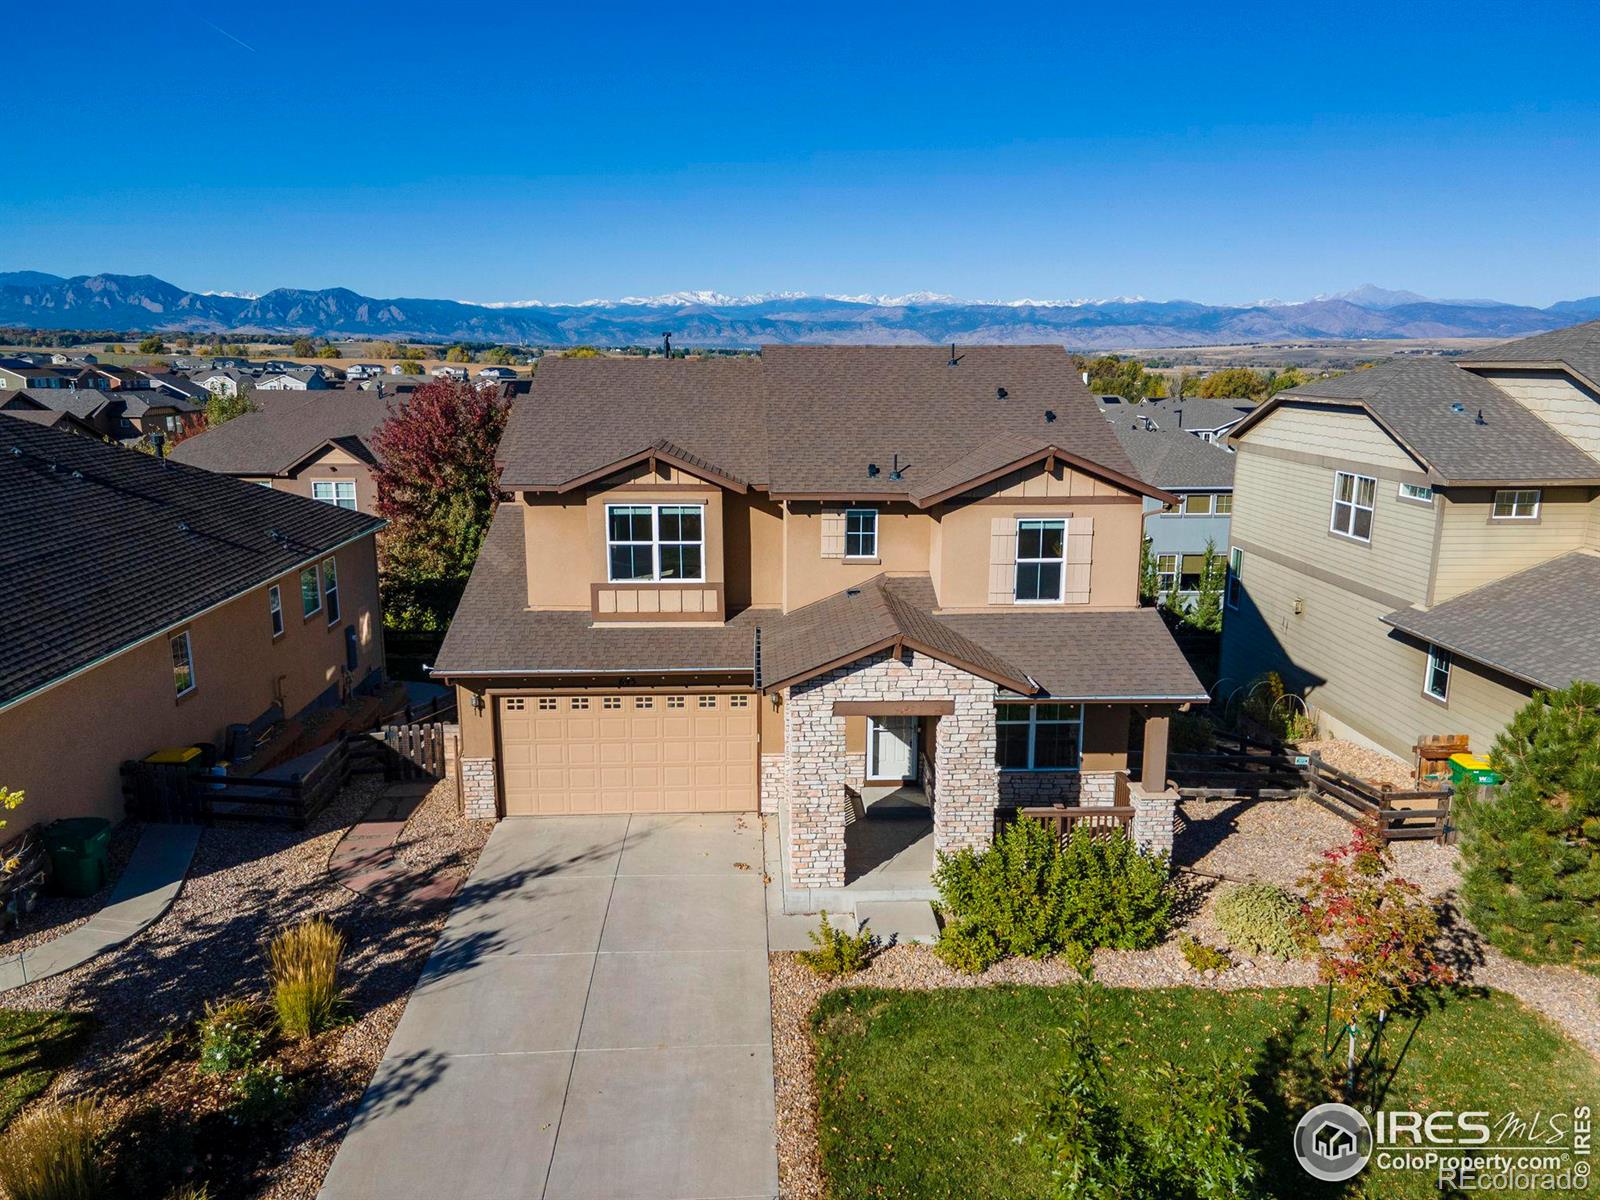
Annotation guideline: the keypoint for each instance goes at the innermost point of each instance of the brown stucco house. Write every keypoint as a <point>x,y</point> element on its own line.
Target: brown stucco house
<point>148,604</point>
<point>780,583</point>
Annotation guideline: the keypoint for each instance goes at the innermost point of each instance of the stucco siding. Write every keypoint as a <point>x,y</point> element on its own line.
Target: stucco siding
<point>63,748</point>
<point>1474,550</point>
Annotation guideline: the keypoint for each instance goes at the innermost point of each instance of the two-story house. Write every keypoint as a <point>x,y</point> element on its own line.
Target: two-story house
<point>1416,547</point>
<point>775,583</point>
<point>1200,474</point>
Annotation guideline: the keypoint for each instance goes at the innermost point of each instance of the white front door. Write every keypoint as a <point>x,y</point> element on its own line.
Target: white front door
<point>892,748</point>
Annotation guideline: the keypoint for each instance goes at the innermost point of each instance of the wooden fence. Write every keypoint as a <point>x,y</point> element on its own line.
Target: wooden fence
<point>1399,815</point>
<point>412,751</point>
<point>1101,820</point>
<point>1238,766</point>
<point>174,793</point>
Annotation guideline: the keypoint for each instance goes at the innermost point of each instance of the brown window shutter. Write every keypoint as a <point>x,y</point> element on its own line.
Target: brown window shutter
<point>1080,551</point>
<point>1003,560</point>
<point>832,531</point>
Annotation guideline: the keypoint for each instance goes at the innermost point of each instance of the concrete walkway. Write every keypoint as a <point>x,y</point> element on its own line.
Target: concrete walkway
<point>594,1022</point>
<point>148,886</point>
<point>365,861</point>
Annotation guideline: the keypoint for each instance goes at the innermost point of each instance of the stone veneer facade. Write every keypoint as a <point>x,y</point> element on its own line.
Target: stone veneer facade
<point>772,782</point>
<point>478,799</point>
<point>1024,788</point>
<point>818,769</point>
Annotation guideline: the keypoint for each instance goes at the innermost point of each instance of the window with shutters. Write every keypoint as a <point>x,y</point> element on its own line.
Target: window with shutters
<point>1041,560</point>
<point>861,533</point>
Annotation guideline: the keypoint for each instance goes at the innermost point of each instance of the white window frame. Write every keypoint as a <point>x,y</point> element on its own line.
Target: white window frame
<point>1440,661</point>
<point>1514,497</point>
<point>1162,576</point>
<point>1219,498</point>
<point>188,656</point>
<point>868,536</point>
<point>307,613</point>
<point>656,543</point>
<point>1033,722</point>
<point>1416,493</point>
<point>1354,505</point>
<point>275,610</point>
<point>1061,584</point>
<point>335,487</point>
<point>1206,496</point>
<point>330,589</point>
<point>1235,581</point>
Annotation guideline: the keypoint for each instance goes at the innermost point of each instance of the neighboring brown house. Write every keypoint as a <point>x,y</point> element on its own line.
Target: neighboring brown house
<point>118,415</point>
<point>51,419</point>
<point>779,583</point>
<point>310,443</point>
<point>147,604</point>
<point>1416,547</point>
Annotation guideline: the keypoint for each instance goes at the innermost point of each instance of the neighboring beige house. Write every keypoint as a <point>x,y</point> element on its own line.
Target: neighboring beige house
<point>1416,547</point>
<point>315,444</point>
<point>149,605</point>
<point>801,582</point>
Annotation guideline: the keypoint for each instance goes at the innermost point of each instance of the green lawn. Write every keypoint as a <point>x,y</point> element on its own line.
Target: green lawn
<point>922,1093</point>
<point>33,1047</point>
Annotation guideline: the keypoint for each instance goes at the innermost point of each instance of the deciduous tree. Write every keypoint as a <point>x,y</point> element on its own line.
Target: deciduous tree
<point>1233,381</point>
<point>220,408</point>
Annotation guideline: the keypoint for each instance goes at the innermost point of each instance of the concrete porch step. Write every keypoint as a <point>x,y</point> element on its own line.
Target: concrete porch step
<point>899,921</point>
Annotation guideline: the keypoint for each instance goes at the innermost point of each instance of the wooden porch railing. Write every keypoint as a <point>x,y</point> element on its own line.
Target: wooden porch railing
<point>1101,820</point>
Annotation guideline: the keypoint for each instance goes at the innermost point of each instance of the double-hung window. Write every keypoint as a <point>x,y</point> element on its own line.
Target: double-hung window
<point>330,588</point>
<point>275,609</point>
<point>1041,560</point>
<point>1038,737</point>
<point>1235,576</point>
<point>1437,683</point>
<point>1197,504</point>
<point>1516,504</point>
<point>655,543</point>
<point>335,491</point>
<point>310,592</point>
<point>1353,497</point>
<point>861,533</point>
<point>1166,573</point>
<point>183,681</point>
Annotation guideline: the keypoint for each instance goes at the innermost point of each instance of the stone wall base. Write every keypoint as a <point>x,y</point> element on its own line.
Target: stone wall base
<point>1024,788</point>
<point>479,801</point>
<point>772,782</point>
<point>1155,816</point>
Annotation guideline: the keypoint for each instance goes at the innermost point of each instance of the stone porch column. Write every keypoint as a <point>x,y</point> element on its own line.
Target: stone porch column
<point>1155,803</point>
<point>816,773</point>
<point>963,760</point>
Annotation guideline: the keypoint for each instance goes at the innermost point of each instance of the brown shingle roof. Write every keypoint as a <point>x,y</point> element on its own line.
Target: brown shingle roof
<point>808,420</point>
<point>1577,348</point>
<point>285,428</point>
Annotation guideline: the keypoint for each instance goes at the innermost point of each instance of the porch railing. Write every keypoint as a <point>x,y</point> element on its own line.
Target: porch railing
<point>1101,820</point>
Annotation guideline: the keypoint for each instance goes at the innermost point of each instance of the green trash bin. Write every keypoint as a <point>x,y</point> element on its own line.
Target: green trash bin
<point>1474,768</point>
<point>77,849</point>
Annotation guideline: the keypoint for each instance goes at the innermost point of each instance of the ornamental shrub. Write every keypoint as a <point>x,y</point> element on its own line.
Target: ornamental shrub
<point>53,1153</point>
<point>1201,957</point>
<point>261,1096</point>
<point>230,1036</point>
<point>1530,849</point>
<point>838,951</point>
<point>1031,895</point>
<point>304,963</point>
<point>1261,918</point>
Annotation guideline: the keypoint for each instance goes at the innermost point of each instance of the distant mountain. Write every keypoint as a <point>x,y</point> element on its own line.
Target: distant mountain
<point>143,303</point>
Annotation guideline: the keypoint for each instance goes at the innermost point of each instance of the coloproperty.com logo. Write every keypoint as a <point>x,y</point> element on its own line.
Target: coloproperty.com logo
<point>1469,1151</point>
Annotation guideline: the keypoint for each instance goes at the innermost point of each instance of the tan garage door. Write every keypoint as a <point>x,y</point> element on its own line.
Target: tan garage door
<point>679,752</point>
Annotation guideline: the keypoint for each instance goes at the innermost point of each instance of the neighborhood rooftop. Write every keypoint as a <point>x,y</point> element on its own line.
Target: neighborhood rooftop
<point>1576,348</point>
<point>106,547</point>
<point>1169,457</point>
<point>286,428</point>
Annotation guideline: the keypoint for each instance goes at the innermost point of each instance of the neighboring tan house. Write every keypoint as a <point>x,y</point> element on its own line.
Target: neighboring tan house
<point>1414,545</point>
<point>147,604</point>
<point>297,379</point>
<point>1200,474</point>
<point>121,415</point>
<point>315,444</point>
<point>780,583</point>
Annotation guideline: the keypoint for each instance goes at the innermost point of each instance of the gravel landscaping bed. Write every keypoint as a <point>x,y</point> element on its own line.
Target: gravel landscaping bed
<point>245,885</point>
<point>1373,765</point>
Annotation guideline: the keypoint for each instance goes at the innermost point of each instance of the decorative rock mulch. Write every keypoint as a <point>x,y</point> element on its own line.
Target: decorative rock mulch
<point>244,886</point>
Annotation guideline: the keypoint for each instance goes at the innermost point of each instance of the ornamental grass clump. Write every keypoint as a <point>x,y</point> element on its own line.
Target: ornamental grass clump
<point>230,1036</point>
<point>304,965</point>
<point>838,951</point>
<point>1032,895</point>
<point>53,1153</point>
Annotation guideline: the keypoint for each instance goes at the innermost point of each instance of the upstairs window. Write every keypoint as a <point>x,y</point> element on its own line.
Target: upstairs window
<point>330,588</point>
<point>275,609</point>
<point>310,592</point>
<point>1437,682</point>
<point>655,543</point>
<point>1041,561</point>
<point>183,681</point>
<point>1516,504</point>
<point>1197,504</point>
<point>335,491</point>
<point>1415,491</point>
<point>861,533</point>
<point>1353,497</point>
<point>1224,504</point>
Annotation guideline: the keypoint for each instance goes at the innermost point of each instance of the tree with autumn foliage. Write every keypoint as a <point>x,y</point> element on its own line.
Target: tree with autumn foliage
<point>1374,934</point>
<point>437,487</point>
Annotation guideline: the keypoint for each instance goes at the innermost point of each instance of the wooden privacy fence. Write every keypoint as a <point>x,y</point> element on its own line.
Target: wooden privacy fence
<point>412,750</point>
<point>1399,815</point>
<point>1237,766</point>
<point>174,793</point>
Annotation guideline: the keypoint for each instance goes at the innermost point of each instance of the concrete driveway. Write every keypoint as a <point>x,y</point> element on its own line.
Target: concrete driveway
<point>594,1022</point>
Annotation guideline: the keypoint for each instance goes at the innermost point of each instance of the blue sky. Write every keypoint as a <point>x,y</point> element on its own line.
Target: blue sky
<point>501,151</point>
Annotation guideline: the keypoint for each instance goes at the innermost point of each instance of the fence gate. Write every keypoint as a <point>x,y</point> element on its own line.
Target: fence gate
<point>414,750</point>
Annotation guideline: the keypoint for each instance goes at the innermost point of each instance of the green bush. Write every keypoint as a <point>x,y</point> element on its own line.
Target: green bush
<point>1261,918</point>
<point>1202,957</point>
<point>53,1153</point>
<point>839,952</point>
<point>1194,1148</point>
<point>304,963</point>
<point>1030,895</point>
<point>261,1095</point>
<point>230,1036</point>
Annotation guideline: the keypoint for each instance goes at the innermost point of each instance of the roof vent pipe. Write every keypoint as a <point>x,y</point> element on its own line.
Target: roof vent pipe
<point>955,359</point>
<point>1000,393</point>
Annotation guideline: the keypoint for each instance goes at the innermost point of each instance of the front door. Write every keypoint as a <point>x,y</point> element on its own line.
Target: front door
<point>892,748</point>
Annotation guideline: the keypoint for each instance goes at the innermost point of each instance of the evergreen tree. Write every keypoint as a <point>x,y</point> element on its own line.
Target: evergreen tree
<point>1149,581</point>
<point>1206,612</point>
<point>1530,852</point>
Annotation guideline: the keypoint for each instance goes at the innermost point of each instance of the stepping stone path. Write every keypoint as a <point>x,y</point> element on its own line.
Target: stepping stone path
<point>365,861</point>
